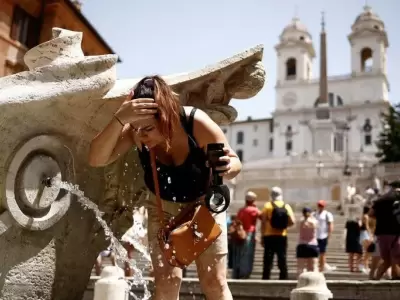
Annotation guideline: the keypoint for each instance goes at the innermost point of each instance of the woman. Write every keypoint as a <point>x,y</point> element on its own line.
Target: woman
<point>244,252</point>
<point>152,118</point>
<point>365,239</point>
<point>352,237</point>
<point>307,251</point>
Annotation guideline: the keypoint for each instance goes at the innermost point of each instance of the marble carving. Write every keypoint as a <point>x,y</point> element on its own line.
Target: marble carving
<point>48,115</point>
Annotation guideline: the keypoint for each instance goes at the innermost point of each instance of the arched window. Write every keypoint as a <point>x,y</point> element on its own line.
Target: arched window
<point>367,132</point>
<point>240,138</point>
<point>366,60</point>
<point>291,69</point>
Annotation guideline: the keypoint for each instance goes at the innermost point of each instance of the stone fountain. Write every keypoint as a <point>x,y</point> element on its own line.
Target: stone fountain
<point>48,116</point>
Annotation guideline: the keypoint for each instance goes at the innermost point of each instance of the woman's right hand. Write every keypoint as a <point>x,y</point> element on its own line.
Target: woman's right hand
<point>136,109</point>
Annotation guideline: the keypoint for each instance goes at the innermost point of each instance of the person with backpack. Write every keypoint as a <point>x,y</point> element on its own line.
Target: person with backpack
<point>277,216</point>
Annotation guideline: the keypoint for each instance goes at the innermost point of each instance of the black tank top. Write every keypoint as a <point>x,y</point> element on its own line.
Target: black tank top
<point>186,182</point>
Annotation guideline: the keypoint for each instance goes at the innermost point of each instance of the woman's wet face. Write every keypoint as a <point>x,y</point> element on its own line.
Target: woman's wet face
<point>148,133</point>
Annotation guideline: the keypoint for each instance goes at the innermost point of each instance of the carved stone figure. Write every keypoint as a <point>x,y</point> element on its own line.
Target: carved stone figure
<point>48,116</point>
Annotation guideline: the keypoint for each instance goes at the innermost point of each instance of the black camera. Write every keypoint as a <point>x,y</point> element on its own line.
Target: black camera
<point>218,195</point>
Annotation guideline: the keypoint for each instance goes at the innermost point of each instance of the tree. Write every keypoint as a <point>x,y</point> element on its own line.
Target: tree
<point>389,139</point>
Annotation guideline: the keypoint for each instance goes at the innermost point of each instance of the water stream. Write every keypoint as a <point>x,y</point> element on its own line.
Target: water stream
<point>120,252</point>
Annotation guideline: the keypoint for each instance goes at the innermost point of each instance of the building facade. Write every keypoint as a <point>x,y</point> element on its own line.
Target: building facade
<point>25,24</point>
<point>308,155</point>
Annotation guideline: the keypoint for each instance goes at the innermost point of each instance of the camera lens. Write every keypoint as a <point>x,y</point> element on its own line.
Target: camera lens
<point>217,202</point>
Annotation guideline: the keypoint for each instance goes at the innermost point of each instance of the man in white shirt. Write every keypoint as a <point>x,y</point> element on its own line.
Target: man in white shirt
<point>324,231</point>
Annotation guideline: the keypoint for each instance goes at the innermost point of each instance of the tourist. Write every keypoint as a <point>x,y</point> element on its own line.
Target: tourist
<point>276,217</point>
<point>307,251</point>
<point>229,220</point>
<point>152,119</point>
<point>108,253</point>
<point>365,240</point>
<point>324,232</point>
<point>238,239</point>
<point>352,239</point>
<point>244,257</point>
<point>386,211</point>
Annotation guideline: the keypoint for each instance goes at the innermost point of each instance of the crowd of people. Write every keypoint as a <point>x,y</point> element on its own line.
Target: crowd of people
<point>371,236</point>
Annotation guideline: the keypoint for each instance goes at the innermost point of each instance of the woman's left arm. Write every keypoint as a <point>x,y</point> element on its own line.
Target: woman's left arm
<point>206,131</point>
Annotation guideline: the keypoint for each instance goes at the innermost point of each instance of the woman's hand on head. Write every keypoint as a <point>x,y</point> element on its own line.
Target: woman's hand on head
<point>136,109</point>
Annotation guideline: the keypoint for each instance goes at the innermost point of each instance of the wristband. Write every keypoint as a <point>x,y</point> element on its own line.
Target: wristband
<point>119,121</point>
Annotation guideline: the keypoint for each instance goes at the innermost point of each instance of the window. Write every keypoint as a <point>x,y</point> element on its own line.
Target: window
<point>289,136</point>
<point>338,142</point>
<point>367,140</point>
<point>291,69</point>
<point>255,142</point>
<point>366,60</point>
<point>271,126</point>
<point>25,28</point>
<point>240,154</point>
<point>367,131</point>
<point>255,127</point>
<point>271,144</point>
<point>240,138</point>
<point>289,147</point>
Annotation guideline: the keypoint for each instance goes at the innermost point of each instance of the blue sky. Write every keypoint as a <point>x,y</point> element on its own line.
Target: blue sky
<point>173,36</point>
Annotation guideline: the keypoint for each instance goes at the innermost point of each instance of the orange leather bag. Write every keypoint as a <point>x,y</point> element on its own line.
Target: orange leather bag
<point>186,236</point>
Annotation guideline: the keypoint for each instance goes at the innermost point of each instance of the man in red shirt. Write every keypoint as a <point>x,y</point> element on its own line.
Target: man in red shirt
<point>244,252</point>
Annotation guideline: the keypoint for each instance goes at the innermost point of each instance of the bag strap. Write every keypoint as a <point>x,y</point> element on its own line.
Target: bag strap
<point>156,188</point>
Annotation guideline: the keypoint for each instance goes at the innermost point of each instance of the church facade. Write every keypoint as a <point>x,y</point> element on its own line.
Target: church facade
<point>322,133</point>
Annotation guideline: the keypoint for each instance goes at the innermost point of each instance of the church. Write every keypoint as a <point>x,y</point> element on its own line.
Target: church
<point>315,148</point>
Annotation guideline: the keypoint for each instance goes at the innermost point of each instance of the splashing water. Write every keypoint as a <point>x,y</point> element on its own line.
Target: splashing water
<point>120,252</point>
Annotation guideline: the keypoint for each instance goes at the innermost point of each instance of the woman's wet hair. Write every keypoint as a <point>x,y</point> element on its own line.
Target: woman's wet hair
<point>168,115</point>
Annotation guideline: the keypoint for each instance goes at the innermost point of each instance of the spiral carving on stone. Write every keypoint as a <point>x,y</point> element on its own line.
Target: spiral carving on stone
<point>34,198</point>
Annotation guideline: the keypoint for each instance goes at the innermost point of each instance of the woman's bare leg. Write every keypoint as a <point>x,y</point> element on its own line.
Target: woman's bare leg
<point>374,265</point>
<point>98,265</point>
<point>301,264</point>
<point>312,264</point>
<point>211,269</point>
<point>351,261</point>
<point>167,279</point>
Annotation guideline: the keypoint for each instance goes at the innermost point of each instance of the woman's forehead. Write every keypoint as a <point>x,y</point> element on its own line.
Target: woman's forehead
<point>144,123</point>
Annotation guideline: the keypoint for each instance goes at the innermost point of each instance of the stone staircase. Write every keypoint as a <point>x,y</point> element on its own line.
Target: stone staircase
<point>336,256</point>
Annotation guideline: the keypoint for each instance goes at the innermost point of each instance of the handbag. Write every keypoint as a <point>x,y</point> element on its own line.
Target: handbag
<point>186,236</point>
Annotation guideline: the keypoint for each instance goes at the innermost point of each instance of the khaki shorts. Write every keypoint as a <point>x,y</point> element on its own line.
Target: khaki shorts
<point>171,209</point>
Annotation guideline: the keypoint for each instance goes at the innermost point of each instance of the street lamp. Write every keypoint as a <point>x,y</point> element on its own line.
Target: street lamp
<point>347,169</point>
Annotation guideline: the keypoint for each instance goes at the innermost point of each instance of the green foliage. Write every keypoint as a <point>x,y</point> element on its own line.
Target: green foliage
<point>389,139</point>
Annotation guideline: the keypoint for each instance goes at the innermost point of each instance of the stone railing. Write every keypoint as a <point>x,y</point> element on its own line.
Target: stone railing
<point>281,290</point>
